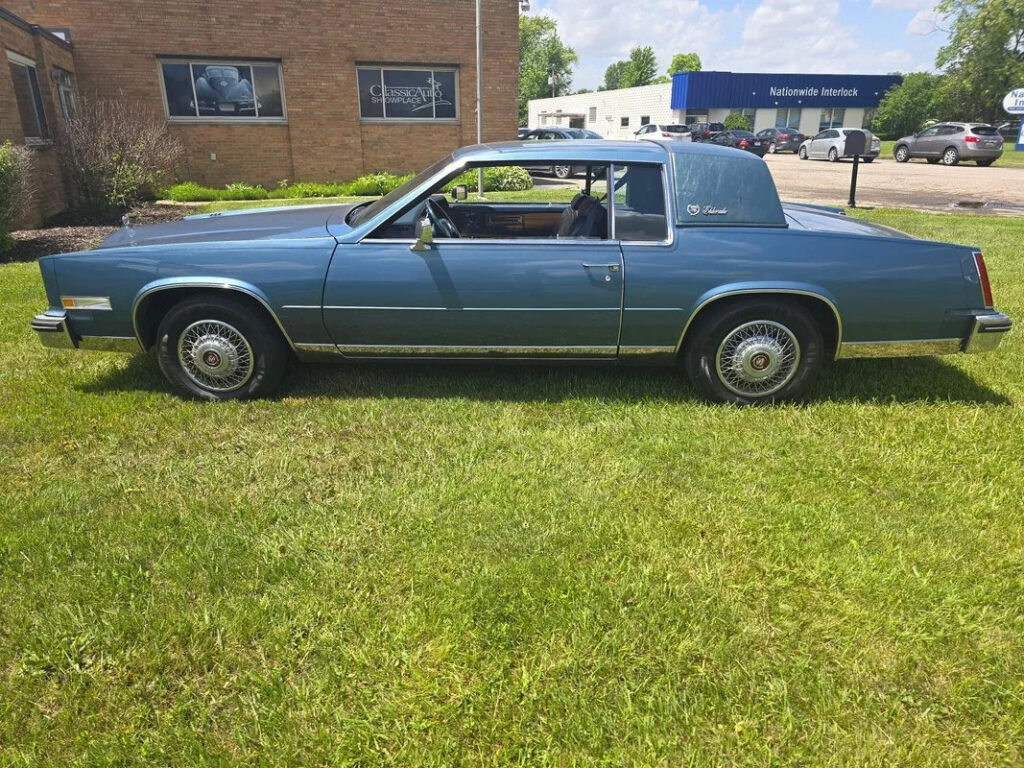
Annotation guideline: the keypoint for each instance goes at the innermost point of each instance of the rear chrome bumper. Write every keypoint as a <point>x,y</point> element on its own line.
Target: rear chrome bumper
<point>54,331</point>
<point>986,332</point>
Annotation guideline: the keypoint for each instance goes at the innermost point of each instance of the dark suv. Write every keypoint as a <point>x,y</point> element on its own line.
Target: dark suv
<point>704,131</point>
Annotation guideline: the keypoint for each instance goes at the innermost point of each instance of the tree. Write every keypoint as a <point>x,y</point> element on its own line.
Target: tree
<point>905,108</point>
<point>542,55</point>
<point>641,67</point>
<point>984,56</point>
<point>736,121</point>
<point>685,62</point>
<point>614,76</point>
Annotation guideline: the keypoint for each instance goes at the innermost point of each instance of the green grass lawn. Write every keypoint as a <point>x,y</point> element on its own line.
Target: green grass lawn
<point>1011,158</point>
<point>438,565</point>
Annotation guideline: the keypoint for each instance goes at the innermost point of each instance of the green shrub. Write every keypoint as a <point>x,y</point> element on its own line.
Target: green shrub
<point>375,184</point>
<point>503,178</point>
<point>15,189</point>
<point>241,191</point>
<point>190,192</point>
<point>737,121</point>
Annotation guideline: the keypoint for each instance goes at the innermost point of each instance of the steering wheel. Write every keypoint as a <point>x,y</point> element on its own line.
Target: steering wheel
<point>441,220</point>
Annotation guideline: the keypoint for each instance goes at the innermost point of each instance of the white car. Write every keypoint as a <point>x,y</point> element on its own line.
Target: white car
<point>831,145</point>
<point>653,132</point>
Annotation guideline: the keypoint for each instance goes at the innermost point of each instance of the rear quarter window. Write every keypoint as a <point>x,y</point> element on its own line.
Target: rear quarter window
<point>715,189</point>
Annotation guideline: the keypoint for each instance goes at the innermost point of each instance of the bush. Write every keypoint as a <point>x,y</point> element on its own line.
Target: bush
<point>114,154</point>
<point>503,178</point>
<point>736,121</point>
<point>190,192</point>
<point>15,189</point>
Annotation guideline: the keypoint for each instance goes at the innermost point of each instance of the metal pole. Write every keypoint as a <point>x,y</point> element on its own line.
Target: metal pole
<point>853,182</point>
<point>479,99</point>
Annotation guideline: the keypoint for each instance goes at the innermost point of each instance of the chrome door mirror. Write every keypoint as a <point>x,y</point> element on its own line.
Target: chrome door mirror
<point>459,192</point>
<point>424,235</point>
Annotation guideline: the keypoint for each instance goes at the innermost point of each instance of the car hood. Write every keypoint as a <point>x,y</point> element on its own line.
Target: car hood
<point>823,219</point>
<point>282,223</point>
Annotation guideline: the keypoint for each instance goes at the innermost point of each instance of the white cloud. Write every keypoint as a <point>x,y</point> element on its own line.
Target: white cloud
<point>925,22</point>
<point>902,5</point>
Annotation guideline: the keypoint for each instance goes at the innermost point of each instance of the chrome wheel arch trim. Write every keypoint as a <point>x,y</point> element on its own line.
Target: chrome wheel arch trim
<point>206,284</point>
<point>765,291</point>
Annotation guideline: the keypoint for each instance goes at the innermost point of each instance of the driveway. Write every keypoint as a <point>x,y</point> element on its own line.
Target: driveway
<point>908,185</point>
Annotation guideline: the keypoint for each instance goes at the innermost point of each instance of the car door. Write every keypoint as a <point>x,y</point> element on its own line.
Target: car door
<point>928,143</point>
<point>476,297</point>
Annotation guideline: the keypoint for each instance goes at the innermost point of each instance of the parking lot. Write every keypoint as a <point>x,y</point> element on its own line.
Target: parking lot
<point>997,189</point>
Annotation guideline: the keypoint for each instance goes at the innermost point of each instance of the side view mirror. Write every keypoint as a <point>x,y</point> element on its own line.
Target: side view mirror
<point>459,192</point>
<point>424,235</point>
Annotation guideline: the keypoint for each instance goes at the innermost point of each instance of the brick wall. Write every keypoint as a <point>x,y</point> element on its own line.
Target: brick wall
<point>318,43</point>
<point>21,38</point>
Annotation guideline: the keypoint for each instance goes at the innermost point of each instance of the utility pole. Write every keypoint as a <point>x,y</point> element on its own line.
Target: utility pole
<point>479,98</point>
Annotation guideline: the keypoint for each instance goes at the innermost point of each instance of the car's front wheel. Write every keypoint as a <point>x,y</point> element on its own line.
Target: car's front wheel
<point>802,154</point>
<point>833,155</point>
<point>950,156</point>
<point>902,154</point>
<point>220,349</point>
<point>562,171</point>
<point>753,352</point>
<point>772,148</point>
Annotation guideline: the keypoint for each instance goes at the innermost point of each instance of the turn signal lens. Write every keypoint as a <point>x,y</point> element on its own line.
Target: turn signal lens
<point>986,287</point>
<point>85,302</point>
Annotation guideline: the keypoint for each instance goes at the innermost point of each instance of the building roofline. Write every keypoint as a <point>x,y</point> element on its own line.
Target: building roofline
<point>34,29</point>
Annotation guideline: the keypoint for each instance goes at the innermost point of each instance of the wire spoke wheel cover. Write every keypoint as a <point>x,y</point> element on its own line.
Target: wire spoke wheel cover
<point>215,355</point>
<point>757,358</point>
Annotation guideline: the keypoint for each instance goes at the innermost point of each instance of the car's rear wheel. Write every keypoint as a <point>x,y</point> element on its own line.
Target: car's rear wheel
<point>901,153</point>
<point>985,163</point>
<point>950,156</point>
<point>562,171</point>
<point>867,159</point>
<point>220,349</point>
<point>833,155</point>
<point>772,148</point>
<point>753,352</point>
<point>802,153</point>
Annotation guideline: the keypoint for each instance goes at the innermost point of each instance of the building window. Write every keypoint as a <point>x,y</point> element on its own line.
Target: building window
<point>407,93</point>
<point>788,118</point>
<point>645,120</point>
<point>25,80</point>
<point>624,122</point>
<point>222,90</point>
<point>695,117</point>
<point>592,115</point>
<point>66,93</point>
<point>543,119</point>
<point>831,117</point>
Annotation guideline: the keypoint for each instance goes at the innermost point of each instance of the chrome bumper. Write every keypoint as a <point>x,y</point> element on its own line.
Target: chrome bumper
<point>54,331</point>
<point>986,332</point>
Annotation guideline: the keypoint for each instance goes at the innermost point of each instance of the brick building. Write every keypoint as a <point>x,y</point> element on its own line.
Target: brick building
<point>304,90</point>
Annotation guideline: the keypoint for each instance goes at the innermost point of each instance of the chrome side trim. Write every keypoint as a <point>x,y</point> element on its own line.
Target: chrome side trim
<point>52,330</point>
<point>640,351</point>
<point>790,291</point>
<point>322,348</point>
<point>900,348</point>
<point>377,350</point>
<point>987,332</point>
<point>211,284</point>
<point>480,309</point>
<point>110,344</point>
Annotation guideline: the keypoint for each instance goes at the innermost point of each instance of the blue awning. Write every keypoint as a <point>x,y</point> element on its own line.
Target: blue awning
<point>737,90</point>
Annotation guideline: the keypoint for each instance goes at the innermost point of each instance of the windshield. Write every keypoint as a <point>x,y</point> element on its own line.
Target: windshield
<point>367,211</point>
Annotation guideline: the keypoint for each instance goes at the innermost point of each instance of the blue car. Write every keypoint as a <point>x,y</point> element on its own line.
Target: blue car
<point>671,254</point>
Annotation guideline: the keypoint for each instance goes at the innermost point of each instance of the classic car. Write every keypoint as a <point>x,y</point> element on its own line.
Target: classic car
<point>670,253</point>
<point>222,90</point>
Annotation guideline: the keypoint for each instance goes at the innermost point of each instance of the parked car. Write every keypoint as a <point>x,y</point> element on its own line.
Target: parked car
<point>704,131</point>
<point>831,145</point>
<point>560,171</point>
<point>748,295</point>
<point>523,133</point>
<point>741,140</point>
<point>782,139</point>
<point>949,143</point>
<point>663,132</point>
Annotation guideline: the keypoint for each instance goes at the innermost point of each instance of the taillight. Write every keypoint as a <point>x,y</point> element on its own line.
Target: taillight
<point>666,135</point>
<point>743,143</point>
<point>971,139</point>
<point>986,288</point>
<point>784,136</point>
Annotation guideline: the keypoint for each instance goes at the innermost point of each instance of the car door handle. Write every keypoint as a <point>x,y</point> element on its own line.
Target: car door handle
<point>610,267</point>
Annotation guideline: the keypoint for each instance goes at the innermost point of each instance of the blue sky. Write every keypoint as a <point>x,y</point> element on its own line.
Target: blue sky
<point>854,36</point>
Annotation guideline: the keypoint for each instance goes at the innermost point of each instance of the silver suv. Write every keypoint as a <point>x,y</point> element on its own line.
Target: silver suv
<point>949,143</point>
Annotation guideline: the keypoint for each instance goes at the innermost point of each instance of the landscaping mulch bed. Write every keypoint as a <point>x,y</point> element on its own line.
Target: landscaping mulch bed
<point>30,244</point>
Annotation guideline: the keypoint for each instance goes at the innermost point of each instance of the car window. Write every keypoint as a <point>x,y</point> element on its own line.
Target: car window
<point>674,128</point>
<point>929,132</point>
<point>950,130</point>
<point>640,204</point>
<point>822,135</point>
<point>984,130</point>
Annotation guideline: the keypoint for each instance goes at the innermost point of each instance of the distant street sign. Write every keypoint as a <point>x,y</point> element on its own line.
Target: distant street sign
<point>1014,102</point>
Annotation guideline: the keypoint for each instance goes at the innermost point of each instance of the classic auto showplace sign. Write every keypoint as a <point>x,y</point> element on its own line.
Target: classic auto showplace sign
<point>406,93</point>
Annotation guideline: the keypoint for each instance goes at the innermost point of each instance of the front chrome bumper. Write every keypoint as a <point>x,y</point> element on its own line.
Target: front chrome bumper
<point>986,332</point>
<point>54,331</point>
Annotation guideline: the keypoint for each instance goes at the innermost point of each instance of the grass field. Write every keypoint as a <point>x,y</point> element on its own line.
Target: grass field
<point>431,565</point>
<point>1011,158</point>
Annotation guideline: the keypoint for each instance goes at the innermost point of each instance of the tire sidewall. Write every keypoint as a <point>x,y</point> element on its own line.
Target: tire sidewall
<point>268,351</point>
<point>702,348</point>
<point>802,153</point>
<point>833,155</point>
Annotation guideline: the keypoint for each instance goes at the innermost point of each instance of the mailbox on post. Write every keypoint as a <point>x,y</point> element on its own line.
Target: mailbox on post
<point>854,146</point>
